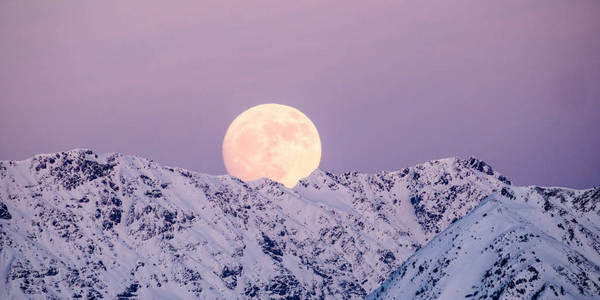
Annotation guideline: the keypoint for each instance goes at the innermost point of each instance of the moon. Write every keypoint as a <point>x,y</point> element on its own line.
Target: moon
<point>272,141</point>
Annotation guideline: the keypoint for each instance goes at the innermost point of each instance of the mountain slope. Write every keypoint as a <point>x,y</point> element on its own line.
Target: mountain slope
<point>79,224</point>
<point>520,243</point>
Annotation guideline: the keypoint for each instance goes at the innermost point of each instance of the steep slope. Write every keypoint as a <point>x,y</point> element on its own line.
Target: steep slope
<point>521,243</point>
<point>79,224</point>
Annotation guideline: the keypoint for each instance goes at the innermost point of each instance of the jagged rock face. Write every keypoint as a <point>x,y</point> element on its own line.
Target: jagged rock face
<point>83,225</point>
<point>521,243</point>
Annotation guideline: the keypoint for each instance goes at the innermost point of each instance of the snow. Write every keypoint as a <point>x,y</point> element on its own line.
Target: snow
<point>524,242</point>
<point>107,222</point>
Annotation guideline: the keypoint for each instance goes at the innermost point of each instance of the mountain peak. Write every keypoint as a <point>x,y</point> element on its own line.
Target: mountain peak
<point>521,242</point>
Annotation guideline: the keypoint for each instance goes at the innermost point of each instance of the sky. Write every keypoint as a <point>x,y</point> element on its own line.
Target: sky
<point>388,84</point>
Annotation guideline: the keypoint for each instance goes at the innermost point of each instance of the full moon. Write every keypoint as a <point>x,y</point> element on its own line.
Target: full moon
<point>272,141</point>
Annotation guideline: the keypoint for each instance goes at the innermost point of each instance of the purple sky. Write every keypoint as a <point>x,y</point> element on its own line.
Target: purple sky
<point>388,83</point>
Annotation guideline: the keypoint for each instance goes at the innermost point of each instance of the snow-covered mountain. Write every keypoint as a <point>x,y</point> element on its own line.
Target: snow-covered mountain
<point>79,224</point>
<point>520,243</point>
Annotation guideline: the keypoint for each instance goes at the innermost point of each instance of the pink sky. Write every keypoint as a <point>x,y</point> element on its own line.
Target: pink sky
<point>388,83</point>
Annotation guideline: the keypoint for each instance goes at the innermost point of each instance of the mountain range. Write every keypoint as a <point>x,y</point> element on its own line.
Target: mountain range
<point>86,225</point>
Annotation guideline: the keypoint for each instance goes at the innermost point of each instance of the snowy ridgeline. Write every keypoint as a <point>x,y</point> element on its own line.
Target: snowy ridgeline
<point>520,243</point>
<point>83,225</point>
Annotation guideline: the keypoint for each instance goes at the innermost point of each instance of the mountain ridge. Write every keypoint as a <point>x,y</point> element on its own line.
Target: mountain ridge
<point>134,228</point>
<point>472,161</point>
